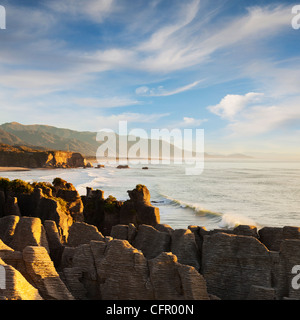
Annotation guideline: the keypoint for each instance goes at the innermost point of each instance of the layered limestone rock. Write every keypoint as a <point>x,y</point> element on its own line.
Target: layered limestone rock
<point>124,232</point>
<point>115,270</point>
<point>151,241</point>
<point>272,237</point>
<point>289,258</point>
<point>107,213</point>
<point>51,209</point>
<point>54,242</point>
<point>185,248</point>
<point>7,227</point>
<point>29,232</point>
<point>15,286</point>
<point>12,258</point>
<point>231,264</point>
<point>174,281</point>
<point>41,270</point>
<point>100,212</point>
<point>11,206</point>
<point>261,293</point>
<point>73,203</point>
<point>123,273</point>
<point>138,210</point>
<point>20,232</point>
<point>82,233</point>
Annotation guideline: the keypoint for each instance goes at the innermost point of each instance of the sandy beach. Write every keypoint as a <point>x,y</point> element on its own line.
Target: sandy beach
<point>8,169</point>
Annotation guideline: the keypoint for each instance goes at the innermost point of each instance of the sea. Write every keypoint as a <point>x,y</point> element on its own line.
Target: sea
<point>226,194</point>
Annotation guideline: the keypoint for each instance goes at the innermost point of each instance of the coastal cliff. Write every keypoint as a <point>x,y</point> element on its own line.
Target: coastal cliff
<point>20,156</point>
<point>50,252</point>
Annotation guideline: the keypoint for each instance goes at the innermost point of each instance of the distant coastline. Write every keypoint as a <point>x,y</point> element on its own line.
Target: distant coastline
<point>8,169</point>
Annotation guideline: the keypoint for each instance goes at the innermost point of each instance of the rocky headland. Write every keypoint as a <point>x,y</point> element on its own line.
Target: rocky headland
<point>25,157</point>
<point>58,245</point>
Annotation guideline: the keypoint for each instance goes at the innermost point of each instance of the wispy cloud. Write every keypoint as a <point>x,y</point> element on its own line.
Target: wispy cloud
<point>185,44</point>
<point>170,46</point>
<point>257,24</point>
<point>266,119</point>
<point>113,102</point>
<point>189,122</point>
<point>112,121</point>
<point>162,92</point>
<point>277,79</point>
<point>157,41</point>
<point>90,9</point>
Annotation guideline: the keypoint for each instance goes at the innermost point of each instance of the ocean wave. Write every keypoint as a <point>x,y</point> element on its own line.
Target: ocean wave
<point>95,183</point>
<point>232,220</point>
<point>224,220</point>
<point>192,206</point>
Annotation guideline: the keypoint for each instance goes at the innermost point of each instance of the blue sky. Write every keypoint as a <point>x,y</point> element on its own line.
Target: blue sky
<point>229,67</point>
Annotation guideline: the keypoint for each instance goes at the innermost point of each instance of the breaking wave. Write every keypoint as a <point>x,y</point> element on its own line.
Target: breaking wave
<point>192,206</point>
<point>224,220</point>
<point>232,220</point>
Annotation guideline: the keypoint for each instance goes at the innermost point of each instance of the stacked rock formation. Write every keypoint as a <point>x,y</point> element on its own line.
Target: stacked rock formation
<point>43,258</point>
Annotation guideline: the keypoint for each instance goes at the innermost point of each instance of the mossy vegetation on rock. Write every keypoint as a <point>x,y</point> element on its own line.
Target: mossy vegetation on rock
<point>59,201</point>
<point>17,186</point>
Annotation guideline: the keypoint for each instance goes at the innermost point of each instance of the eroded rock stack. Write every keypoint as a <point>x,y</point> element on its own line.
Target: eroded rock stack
<point>59,202</point>
<point>106,213</point>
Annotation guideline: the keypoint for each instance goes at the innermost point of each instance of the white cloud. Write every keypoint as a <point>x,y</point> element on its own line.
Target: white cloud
<point>158,39</point>
<point>189,122</point>
<point>231,104</point>
<point>184,44</point>
<point>161,92</point>
<point>92,9</point>
<point>142,91</point>
<point>113,102</point>
<point>112,121</point>
<point>167,48</point>
<point>264,119</point>
<point>249,116</point>
<point>277,79</point>
<point>258,23</point>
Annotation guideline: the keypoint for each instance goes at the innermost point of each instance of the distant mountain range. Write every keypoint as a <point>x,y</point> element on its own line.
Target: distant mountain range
<point>45,137</point>
<point>48,137</point>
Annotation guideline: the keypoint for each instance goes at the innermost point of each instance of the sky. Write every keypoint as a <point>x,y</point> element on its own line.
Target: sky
<point>229,67</point>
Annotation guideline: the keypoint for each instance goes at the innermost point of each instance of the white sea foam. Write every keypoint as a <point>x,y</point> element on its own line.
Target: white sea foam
<point>232,220</point>
<point>95,183</point>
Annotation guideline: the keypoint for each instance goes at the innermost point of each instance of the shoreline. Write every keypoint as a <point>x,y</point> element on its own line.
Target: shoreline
<point>13,169</point>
